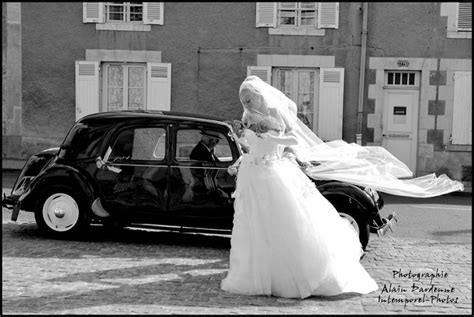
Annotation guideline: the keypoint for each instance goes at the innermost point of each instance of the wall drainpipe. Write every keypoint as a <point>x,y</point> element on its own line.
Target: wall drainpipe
<point>360,109</point>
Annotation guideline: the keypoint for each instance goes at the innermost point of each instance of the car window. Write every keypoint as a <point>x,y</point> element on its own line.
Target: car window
<point>188,140</point>
<point>139,144</point>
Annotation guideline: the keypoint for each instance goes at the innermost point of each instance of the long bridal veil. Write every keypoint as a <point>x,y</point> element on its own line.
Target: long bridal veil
<point>372,166</point>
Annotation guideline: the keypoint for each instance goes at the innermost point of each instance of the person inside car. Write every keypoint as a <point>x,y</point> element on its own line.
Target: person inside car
<point>204,150</point>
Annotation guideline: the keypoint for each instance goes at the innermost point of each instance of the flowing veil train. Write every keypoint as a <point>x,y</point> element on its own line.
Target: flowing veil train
<point>372,166</point>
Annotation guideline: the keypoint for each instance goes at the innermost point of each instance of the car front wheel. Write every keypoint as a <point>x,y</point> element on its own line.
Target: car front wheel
<point>360,226</point>
<point>61,212</point>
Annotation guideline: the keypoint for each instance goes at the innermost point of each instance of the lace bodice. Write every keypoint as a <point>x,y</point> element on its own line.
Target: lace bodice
<point>266,147</point>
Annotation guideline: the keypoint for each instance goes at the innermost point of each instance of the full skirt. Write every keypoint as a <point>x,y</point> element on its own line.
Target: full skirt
<point>288,240</point>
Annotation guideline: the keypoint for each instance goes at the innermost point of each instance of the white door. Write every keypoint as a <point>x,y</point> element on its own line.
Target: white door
<point>399,132</point>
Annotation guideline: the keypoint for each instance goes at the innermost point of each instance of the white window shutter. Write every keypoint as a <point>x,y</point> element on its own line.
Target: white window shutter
<point>153,13</point>
<point>328,15</point>
<point>93,12</point>
<point>264,72</point>
<point>159,86</point>
<point>266,14</point>
<point>462,108</point>
<point>464,16</point>
<point>331,99</point>
<point>87,88</point>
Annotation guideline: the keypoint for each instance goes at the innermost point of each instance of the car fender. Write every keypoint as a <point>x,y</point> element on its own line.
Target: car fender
<point>57,174</point>
<point>342,193</point>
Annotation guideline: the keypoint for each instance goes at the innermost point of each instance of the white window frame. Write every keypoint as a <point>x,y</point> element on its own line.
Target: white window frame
<point>104,86</point>
<point>296,92</point>
<point>97,13</point>
<point>298,12</point>
<point>315,30</point>
<point>126,12</point>
<point>401,85</point>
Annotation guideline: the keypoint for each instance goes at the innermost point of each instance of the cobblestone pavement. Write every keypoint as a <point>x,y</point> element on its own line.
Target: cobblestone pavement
<point>158,272</point>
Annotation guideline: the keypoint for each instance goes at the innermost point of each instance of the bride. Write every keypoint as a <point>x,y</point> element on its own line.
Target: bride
<point>287,239</point>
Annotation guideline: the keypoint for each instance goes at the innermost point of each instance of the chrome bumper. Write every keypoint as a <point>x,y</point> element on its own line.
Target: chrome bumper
<point>12,203</point>
<point>389,223</point>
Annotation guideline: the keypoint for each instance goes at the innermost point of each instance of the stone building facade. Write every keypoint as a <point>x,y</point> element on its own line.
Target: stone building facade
<point>192,57</point>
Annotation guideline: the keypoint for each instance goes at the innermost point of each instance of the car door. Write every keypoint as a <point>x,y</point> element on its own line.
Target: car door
<point>135,187</point>
<point>200,189</point>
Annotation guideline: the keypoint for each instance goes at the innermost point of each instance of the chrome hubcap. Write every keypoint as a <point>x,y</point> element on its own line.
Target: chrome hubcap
<point>60,212</point>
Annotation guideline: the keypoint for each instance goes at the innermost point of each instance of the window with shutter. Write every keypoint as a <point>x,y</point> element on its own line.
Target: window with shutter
<point>297,18</point>
<point>153,13</point>
<point>328,16</point>
<point>464,17</point>
<point>331,97</point>
<point>87,88</point>
<point>127,12</point>
<point>266,14</point>
<point>300,85</point>
<point>124,86</point>
<point>462,109</point>
<point>93,12</point>
<point>159,86</point>
<point>123,16</point>
<point>459,19</point>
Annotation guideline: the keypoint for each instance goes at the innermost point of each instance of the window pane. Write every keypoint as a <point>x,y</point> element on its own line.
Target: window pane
<point>114,88</point>
<point>139,144</point>
<point>187,140</point>
<point>412,79</point>
<point>390,79</point>
<point>285,82</point>
<point>397,79</point>
<point>404,79</point>
<point>306,97</point>
<point>115,76</point>
<point>308,18</point>
<point>136,88</point>
<point>136,13</point>
<point>116,13</point>
<point>146,143</point>
<point>287,18</point>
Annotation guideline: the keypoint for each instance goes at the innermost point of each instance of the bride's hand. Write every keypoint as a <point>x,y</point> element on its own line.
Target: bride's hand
<point>237,128</point>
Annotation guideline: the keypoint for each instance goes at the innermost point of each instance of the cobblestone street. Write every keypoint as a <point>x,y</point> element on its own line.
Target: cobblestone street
<point>145,272</point>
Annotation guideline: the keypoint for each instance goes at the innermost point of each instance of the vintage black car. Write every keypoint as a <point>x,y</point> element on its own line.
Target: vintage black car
<point>133,168</point>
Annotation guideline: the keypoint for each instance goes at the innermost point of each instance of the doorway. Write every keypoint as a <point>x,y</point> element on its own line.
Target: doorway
<point>400,116</point>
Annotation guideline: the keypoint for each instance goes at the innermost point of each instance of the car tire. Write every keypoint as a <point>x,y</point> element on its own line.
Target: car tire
<point>61,212</point>
<point>360,225</point>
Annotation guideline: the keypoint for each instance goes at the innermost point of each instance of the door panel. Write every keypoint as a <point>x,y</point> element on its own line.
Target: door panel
<point>200,188</point>
<point>136,193</point>
<point>138,189</point>
<point>399,133</point>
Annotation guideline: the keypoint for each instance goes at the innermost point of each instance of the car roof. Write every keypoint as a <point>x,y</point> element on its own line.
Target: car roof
<point>147,114</point>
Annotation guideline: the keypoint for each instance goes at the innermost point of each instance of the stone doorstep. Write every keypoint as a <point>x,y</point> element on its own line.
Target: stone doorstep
<point>18,165</point>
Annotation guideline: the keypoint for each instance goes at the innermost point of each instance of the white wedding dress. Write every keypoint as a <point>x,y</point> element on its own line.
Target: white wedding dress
<point>287,239</point>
